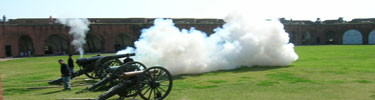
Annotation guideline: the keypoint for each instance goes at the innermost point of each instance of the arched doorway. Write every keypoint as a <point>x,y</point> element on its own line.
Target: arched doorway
<point>306,38</point>
<point>293,38</point>
<point>290,37</point>
<point>318,40</point>
<point>371,37</point>
<point>25,46</point>
<point>352,37</point>
<point>122,41</point>
<point>94,43</point>
<point>56,45</point>
<point>330,37</point>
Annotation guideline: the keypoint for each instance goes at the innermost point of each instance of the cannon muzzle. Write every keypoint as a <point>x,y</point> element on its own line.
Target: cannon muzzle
<point>122,55</point>
<point>126,75</point>
<point>81,61</point>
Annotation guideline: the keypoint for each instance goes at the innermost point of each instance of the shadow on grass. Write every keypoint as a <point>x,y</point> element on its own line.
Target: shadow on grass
<point>14,91</point>
<point>73,84</point>
<point>241,69</point>
<point>101,88</point>
<point>52,92</point>
<point>89,82</point>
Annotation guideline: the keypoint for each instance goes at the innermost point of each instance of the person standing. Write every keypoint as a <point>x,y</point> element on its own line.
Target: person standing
<point>71,63</point>
<point>65,74</point>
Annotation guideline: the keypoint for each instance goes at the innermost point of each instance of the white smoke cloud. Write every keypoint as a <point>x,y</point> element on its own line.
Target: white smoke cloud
<point>78,29</point>
<point>241,41</point>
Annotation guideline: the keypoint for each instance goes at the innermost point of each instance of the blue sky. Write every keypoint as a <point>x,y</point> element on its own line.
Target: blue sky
<point>267,9</point>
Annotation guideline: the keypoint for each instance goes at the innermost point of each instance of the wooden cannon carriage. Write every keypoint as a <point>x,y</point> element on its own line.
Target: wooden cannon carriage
<point>154,83</point>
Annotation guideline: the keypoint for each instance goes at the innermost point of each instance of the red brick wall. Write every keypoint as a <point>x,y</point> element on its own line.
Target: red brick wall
<point>10,34</point>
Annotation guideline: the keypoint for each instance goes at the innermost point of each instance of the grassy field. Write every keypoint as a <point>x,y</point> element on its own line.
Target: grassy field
<point>343,72</point>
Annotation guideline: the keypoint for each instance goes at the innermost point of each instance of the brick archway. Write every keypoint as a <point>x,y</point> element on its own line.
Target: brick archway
<point>25,46</point>
<point>352,36</point>
<point>56,44</point>
<point>371,37</point>
<point>330,37</point>
<point>306,38</point>
<point>123,40</point>
<point>94,43</point>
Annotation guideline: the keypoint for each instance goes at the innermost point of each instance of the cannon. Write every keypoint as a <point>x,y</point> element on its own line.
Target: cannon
<point>117,71</point>
<point>154,83</point>
<point>95,67</point>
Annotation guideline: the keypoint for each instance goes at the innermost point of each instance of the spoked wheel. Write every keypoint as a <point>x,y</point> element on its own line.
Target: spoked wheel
<point>129,67</point>
<point>104,69</point>
<point>155,83</point>
<point>95,74</point>
<point>91,72</point>
<point>98,71</point>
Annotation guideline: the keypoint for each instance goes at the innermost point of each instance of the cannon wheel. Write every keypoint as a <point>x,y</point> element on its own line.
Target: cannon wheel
<point>104,72</point>
<point>129,67</point>
<point>154,83</point>
<point>99,71</point>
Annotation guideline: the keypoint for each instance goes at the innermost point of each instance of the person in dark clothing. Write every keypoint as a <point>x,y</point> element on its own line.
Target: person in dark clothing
<point>71,63</point>
<point>65,74</point>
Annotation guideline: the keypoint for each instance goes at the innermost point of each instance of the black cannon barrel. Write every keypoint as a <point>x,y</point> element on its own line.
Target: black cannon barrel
<point>95,58</point>
<point>86,60</point>
<point>122,55</point>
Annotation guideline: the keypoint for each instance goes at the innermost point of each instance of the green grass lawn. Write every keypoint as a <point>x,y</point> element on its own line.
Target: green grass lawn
<point>332,72</point>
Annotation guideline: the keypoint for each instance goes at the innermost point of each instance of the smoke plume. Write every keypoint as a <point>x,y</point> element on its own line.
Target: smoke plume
<point>78,29</point>
<point>241,41</point>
